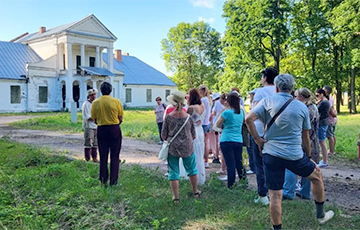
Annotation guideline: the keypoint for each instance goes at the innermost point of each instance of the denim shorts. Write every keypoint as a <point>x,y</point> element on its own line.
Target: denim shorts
<point>189,164</point>
<point>274,168</point>
<point>330,131</point>
<point>206,128</point>
<point>322,132</point>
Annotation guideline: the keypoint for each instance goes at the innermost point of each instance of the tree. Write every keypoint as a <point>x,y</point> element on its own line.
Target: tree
<point>193,53</point>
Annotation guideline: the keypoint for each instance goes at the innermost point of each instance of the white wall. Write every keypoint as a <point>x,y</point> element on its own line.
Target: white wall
<point>5,103</point>
<point>138,94</point>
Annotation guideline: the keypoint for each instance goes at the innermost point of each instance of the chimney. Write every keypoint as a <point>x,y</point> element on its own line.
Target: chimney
<point>42,29</point>
<point>126,54</point>
<point>118,55</point>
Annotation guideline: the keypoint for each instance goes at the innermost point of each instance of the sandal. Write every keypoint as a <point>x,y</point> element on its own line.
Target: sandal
<point>197,194</point>
<point>175,201</point>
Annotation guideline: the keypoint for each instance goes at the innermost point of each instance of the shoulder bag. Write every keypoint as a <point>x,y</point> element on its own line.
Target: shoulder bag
<point>164,151</point>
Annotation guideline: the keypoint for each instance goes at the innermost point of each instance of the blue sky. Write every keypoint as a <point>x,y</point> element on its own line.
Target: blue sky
<point>139,25</point>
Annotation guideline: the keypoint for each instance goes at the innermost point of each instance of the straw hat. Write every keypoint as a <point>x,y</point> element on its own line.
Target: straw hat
<point>176,98</point>
<point>91,92</point>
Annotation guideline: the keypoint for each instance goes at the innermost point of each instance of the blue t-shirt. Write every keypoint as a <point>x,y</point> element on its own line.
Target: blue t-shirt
<point>284,138</point>
<point>232,126</point>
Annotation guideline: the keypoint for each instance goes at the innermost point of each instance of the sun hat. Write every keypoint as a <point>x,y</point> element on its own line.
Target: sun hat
<point>91,92</point>
<point>215,96</point>
<point>176,98</point>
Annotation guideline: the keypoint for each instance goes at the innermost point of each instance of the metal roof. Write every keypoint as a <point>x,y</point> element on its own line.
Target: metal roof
<point>13,59</point>
<point>97,71</point>
<point>64,28</point>
<point>137,72</point>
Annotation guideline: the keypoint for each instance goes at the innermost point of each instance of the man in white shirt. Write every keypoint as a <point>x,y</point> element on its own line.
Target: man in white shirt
<point>90,127</point>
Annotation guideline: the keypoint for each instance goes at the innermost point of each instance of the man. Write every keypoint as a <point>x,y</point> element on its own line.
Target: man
<point>330,133</point>
<point>282,147</point>
<point>108,114</point>
<point>90,133</point>
<point>268,89</point>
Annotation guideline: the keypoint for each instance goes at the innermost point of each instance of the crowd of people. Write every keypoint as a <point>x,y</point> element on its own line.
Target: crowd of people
<point>286,131</point>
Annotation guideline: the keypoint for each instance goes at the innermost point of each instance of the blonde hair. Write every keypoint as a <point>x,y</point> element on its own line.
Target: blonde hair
<point>306,94</point>
<point>206,93</point>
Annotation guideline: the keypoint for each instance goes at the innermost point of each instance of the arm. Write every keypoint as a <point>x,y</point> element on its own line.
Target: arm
<point>249,120</point>
<point>120,119</point>
<point>164,131</point>
<point>306,143</point>
<point>333,112</point>
<point>220,122</point>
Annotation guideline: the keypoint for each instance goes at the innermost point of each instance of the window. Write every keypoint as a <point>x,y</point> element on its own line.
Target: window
<point>64,64</point>
<point>92,62</point>
<point>15,94</point>
<point>148,95</point>
<point>43,94</point>
<point>167,93</point>
<point>78,64</point>
<point>128,96</point>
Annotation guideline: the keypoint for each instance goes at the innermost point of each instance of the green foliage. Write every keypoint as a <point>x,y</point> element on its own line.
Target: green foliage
<point>138,124</point>
<point>193,53</point>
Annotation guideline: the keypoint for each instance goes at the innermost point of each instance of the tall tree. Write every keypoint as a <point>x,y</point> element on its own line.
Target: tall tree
<point>193,53</point>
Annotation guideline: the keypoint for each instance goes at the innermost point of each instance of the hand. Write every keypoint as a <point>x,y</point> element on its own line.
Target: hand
<point>316,166</point>
<point>260,143</point>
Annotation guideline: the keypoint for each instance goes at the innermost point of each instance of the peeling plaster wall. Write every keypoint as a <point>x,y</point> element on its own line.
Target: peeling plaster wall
<point>138,94</point>
<point>5,95</point>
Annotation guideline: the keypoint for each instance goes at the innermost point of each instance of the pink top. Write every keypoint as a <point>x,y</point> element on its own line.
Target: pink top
<point>332,120</point>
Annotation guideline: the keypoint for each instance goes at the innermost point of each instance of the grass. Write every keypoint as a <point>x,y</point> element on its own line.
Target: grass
<point>41,191</point>
<point>138,124</point>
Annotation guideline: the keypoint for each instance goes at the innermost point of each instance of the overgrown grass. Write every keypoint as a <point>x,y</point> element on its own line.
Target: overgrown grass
<point>40,191</point>
<point>138,124</point>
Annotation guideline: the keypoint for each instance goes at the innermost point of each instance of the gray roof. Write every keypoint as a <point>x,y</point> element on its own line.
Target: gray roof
<point>137,72</point>
<point>97,71</point>
<point>13,59</point>
<point>61,29</point>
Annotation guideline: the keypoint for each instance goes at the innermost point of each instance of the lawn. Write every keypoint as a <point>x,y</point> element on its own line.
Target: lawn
<point>41,191</point>
<point>141,125</point>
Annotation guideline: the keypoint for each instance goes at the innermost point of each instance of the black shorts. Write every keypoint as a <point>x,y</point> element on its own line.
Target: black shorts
<point>274,168</point>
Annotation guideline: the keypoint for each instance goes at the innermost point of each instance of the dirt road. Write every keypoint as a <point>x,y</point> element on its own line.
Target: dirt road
<point>342,182</point>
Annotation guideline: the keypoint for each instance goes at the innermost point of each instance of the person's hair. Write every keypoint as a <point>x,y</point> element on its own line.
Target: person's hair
<point>327,89</point>
<point>321,91</point>
<point>105,88</point>
<point>284,82</point>
<point>235,89</point>
<point>234,102</point>
<point>206,93</point>
<point>306,94</point>
<point>194,97</point>
<point>158,98</point>
<point>270,73</point>
<point>223,96</point>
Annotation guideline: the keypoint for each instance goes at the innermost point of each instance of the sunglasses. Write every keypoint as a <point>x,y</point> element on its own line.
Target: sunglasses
<point>317,95</point>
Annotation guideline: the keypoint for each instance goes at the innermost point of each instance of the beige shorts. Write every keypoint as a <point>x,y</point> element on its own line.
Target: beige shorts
<point>90,136</point>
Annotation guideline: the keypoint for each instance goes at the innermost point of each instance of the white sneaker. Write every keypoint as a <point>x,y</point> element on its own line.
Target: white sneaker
<point>225,178</point>
<point>262,199</point>
<point>206,165</point>
<point>323,164</point>
<point>250,172</point>
<point>166,162</point>
<point>326,218</point>
<point>166,174</point>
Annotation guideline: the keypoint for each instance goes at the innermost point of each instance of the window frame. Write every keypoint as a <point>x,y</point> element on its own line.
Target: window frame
<point>19,94</point>
<point>126,95</point>
<point>47,94</point>
<point>148,97</point>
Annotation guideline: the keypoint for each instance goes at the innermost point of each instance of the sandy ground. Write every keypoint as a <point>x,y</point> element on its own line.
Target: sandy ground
<point>342,181</point>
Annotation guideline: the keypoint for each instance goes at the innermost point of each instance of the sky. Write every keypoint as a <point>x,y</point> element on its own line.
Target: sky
<point>139,25</point>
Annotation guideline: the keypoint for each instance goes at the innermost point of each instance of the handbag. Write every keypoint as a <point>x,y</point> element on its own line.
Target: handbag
<point>164,151</point>
<point>245,133</point>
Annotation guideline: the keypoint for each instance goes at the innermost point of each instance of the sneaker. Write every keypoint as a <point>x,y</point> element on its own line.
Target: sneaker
<point>323,164</point>
<point>206,165</point>
<point>165,163</point>
<point>326,218</point>
<point>221,171</point>
<point>216,161</point>
<point>263,200</point>
<point>166,174</point>
<point>225,178</point>
<point>250,172</point>
<point>160,143</point>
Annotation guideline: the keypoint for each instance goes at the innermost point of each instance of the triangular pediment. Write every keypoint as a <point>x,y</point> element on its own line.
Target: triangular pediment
<point>91,26</point>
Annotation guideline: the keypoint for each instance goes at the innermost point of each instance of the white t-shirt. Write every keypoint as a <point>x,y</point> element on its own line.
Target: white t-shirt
<point>260,94</point>
<point>217,109</point>
<point>206,102</point>
<point>86,113</point>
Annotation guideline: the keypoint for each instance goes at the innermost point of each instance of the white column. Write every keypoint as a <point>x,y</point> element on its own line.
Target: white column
<point>69,75</point>
<point>83,89</point>
<point>82,48</point>
<point>58,59</point>
<point>110,54</point>
<point>94,87</point>
<point>97,58</point>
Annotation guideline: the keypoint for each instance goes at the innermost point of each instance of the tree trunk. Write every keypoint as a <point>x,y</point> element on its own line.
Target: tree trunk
<point>352,93</point>
<point>337,80</point>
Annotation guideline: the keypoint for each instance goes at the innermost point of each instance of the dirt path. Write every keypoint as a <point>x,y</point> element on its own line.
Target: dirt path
<point>342,182</point>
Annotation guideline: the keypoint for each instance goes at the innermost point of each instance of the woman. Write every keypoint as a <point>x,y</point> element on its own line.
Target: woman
<point>223,165</point>
<point>159,113</point>
<point>207,101</point>
<point>304,95</point>
<point>181,146</point>
<point>231,138</point>
<point>196,109</point>
<point>324,110</point>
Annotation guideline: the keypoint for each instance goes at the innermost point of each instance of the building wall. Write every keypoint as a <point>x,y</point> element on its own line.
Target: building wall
<point>138,94</point>
<point>5,95</point>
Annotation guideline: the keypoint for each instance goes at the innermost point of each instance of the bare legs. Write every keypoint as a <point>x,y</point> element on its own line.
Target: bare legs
<point>275,206</point>
<point>175,186</point>
<point>332,144</point>
<point>324,151</point>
